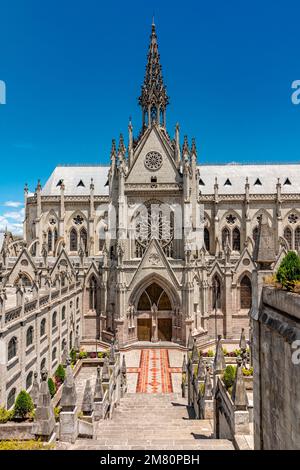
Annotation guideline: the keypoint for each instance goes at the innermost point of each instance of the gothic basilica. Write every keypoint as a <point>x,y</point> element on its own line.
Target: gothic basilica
<point>148,248</point>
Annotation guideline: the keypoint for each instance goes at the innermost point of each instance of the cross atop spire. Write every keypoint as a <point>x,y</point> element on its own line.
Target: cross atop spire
<point>153,99</point>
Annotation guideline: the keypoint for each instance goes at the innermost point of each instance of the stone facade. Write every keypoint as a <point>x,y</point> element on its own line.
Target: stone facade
<point>89,247</point>
<point>276,340</point>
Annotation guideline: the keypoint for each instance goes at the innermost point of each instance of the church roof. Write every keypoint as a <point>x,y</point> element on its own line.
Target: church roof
<point>231,179</point>
<point>262,179</point>
<point>77,180</point>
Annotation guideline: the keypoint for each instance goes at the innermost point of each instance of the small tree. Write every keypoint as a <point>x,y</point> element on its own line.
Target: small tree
<point>23,405</point>
<point>229,376</point>
<point>60,373</point>
<point>289,271</point>
<point>52,387</point>
<point>73,356</point>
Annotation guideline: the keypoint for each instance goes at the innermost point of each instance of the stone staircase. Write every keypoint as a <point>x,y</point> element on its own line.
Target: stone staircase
<point>151,422</point>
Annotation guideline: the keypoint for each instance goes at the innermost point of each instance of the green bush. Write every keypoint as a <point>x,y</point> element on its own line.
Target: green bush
<point>247,372</point>
<point>23,405</point>
<point>31,444</point>
<point>52,387</point>
<point>57,411</point>
<point>60,373</point>
<point>73,356</point>
<point>5,415</point>
<point>225,351</point>
<point>289,271</point>
<point>83,355</point>
<point>210,353</point>
<point>229,376</point>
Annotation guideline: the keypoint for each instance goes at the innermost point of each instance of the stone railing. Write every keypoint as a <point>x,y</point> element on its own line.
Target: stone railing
<point>29,306</point>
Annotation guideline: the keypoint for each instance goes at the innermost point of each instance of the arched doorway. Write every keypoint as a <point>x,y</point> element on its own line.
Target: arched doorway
<point>154,314</point>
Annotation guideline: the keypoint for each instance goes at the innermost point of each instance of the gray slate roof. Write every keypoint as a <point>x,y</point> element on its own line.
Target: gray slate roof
<point>235,173</point>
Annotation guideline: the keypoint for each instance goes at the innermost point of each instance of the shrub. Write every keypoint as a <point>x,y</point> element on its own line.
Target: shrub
<point>23,405</point>
<point>289,271</point>
<point>210,353</point>
<point>247,372</point>
<point>57,411</point>
<point>31,444</point>
<point>225,352</point>
<point>73,356</point>
<point>82,354</point>
<point>101,355</point>
<point>5,415</point>
<point>229,376</point>
<point>52,387</point>
<point>60,373</point>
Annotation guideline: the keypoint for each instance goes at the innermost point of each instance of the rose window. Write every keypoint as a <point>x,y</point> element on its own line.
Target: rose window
<point>293,218</point>
<point>153,161</point>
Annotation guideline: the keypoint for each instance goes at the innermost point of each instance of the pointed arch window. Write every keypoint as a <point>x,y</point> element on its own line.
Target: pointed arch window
<point>12,348</point>
<point>83,239</point>
<point>225,237</point>
<point>216,293</point>
<point>93,293</point>
<point>236,239</point>
<point>287,181</point>
<point>227,182</point>
<point>297,238</point>
<point>29,336</point>
<point>55,237</point>
<point>11,398</point>
<point>255,234</point>
<point>49,240</point>
<point>206,239</point>
<point>73,240</point>
<point>29,379</point>
<point>288,236</point>
<point>257,182</point>
<point>245,293</point>
<point>43,327</point>
<point>81,184</point>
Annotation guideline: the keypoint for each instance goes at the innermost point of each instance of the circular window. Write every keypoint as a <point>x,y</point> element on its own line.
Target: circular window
<point>153,161</point>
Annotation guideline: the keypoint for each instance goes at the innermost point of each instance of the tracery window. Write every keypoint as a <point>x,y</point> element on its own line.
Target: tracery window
<point>225,237</point>
<point>154,294</point>
<point>236,239</point>
<point>288,236</point>
<point>73,240</point>
<point>155,221</point>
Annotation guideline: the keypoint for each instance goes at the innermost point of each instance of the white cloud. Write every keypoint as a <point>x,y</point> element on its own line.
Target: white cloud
<point>13,222</point>
<point>13,204</point>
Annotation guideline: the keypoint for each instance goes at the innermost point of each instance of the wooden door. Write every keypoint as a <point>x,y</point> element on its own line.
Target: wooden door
<point>165,329</point>
<point>144,326</point>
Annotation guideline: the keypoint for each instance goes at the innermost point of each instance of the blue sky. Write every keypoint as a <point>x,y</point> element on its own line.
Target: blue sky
<point>73,72</point>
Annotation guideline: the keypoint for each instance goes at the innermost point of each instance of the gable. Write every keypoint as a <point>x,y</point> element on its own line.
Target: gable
<point>141,171</point>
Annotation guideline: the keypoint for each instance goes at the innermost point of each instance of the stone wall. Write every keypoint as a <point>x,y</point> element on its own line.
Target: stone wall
<point>276,327</point>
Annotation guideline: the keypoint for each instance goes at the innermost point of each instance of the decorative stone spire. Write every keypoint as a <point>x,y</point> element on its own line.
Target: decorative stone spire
<point>44,420</point>
<point>207,385</point>
<point>105,370</point>
<point>121,148</point>
<point>87,401</point>
<point>185,148</point>
<point>112,356</point>
<point>195,355</point>
<point>219,361</point>
<point>194,149</point>
<point>239,394</point>
<point>264,250</point>
<point>123,367</point>
<point>35,389</point>
<point>190,342</point>
<point>153,99</point>
<point>68,396</point>
<point>201,368</point>
<point>184,366</point>
<point>64,357</point>
<point>98,394</point>
<point>243,342</point>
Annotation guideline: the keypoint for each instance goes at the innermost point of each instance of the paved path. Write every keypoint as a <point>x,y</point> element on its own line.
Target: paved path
<point>152,415</point>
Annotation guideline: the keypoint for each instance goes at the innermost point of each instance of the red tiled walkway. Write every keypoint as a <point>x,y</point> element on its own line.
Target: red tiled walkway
<point>154,372</point>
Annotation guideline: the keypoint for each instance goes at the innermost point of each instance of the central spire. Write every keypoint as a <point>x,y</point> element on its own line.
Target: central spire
<point>153,99</point>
